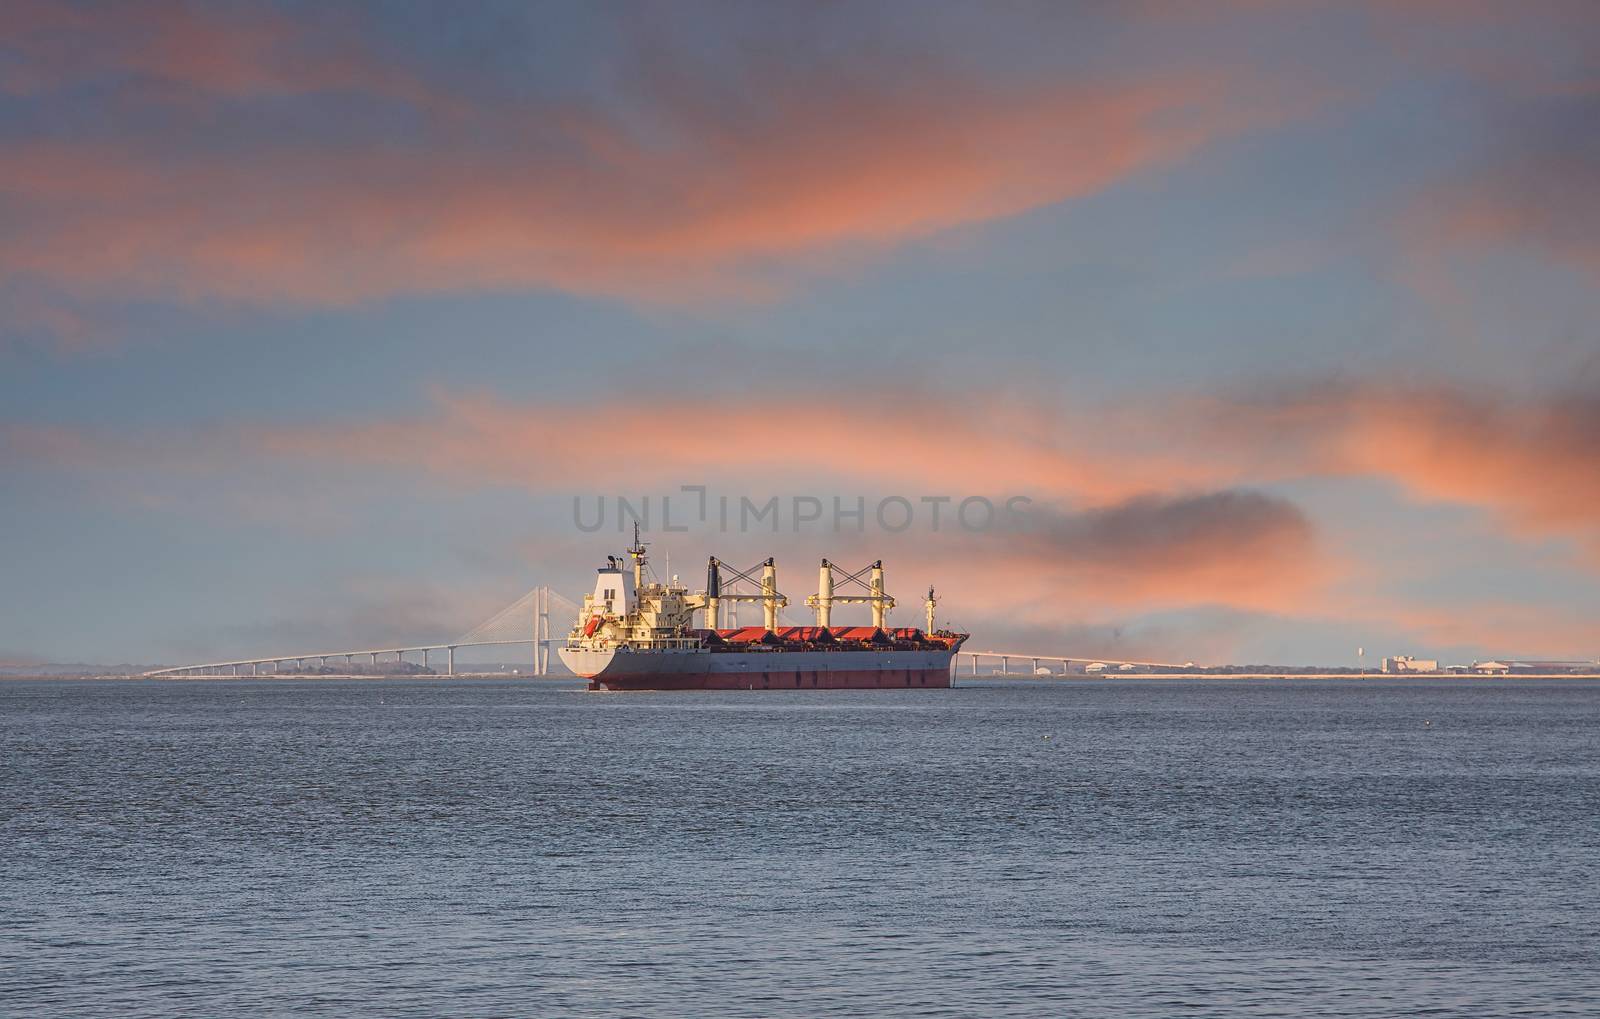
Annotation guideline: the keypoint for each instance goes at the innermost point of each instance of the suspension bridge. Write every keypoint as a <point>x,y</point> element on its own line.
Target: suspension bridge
<point>524,621</point>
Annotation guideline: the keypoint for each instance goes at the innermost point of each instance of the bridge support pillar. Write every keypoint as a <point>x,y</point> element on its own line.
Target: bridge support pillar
<point>541,631</point>
<point>1005,665</point>
<point>1035,671</point>
<point>450,661</point>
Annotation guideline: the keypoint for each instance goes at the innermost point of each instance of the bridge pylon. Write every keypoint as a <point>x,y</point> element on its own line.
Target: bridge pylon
<point>541,632</point>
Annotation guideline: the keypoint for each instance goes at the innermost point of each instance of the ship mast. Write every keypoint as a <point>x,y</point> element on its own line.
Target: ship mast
<point>825,598</point>
<point>770,598</point>
<point>636,551</point>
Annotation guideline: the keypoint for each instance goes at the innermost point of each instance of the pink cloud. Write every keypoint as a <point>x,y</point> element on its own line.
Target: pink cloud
<point>1238,549</point>
<point>716,199</point>
<point>925,437</point>
<point>1122,548</point>
<point>1503,628</point>
<point>1546,204</point>
<point>217,51</point>
<point>1136,511</point>
<point>1530,462</point>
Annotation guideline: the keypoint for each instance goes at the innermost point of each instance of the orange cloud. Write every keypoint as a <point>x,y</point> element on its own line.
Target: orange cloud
<point>238,52</point>
<point>1545,49</point>
<point>1547,206</point>
<point>1052,569</point>
<point>987,440</point>
<point>1128,519</point>
<point>1235,548</point>
<point>1528,461</point>
<point>713,199</point>
<point>1504,629</point>
<point>1121,549</point>
<point>1535,195</point>
<point>1531,462</point>
<point>1534,464</point>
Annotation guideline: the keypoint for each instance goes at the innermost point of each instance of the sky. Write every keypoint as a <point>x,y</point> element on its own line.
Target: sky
<point>1233,332</point>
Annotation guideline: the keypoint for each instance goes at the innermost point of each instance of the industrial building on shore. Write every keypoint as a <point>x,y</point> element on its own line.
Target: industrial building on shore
<point>1410,665</point>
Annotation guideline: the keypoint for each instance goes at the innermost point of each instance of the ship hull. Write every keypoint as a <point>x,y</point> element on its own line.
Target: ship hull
<point>738,670</point>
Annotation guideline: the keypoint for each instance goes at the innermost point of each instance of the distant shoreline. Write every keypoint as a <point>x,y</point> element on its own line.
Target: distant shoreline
<point>960,678</point>
<point>122,676</point>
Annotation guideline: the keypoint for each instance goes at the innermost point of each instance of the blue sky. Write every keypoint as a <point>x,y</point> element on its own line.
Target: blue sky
<point>314,321</point>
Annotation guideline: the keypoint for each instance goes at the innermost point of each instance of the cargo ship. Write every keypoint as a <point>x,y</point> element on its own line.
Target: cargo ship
<point>634,633</point>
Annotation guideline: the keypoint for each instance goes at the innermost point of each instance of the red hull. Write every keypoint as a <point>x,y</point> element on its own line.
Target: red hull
<point>840,679</point>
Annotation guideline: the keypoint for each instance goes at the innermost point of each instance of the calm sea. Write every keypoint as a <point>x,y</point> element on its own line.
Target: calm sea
<point>1085,848</point>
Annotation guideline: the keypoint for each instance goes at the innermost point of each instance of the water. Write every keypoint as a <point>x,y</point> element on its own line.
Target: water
<point>1155,848</point>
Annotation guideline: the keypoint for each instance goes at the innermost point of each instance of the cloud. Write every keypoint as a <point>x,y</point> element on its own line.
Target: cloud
<point>927,439</point>
<point>698,187</point>
<point>1237,549</point>
<point>1537,49</point>
<point>1539,194</point>
<point>359,612</point>
<point>1530,461</point>
<point>1053,570</point>
<point>1203,636</point>
<point>239,52</point>
<point>1502,629</point>
<point>94,452</point>
<point>1114,537</point>
<point>1527,197</point>
<point>1138,510</point>
<point>1113,528</point>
